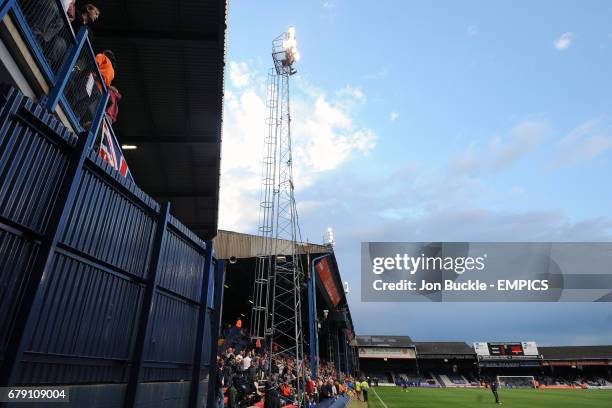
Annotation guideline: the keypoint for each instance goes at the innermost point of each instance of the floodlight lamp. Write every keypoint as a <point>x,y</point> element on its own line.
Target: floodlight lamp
<point>289,44</point>
<point>330,236</point>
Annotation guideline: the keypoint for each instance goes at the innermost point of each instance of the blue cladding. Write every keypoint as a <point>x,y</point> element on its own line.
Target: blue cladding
<point>16,259</point>
<point>86,312</point>
<point>70,373</point>
<point>173,332</point>
<point>182,267</point>
<point>31,169</point>
<point>83,326</point>
<point>108,226</point>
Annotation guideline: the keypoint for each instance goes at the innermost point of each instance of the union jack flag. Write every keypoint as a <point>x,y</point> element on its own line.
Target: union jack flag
<point>110,152</point>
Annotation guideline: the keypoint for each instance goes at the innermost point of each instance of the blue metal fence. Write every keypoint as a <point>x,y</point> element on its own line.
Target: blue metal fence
<point>98,282</point>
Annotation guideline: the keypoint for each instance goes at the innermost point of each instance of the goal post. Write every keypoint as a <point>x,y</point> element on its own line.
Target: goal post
<point>516,381</point>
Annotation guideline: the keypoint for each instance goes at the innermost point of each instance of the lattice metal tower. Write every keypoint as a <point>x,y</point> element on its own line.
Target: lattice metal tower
<point>261,292</point>
<point>277,311</point>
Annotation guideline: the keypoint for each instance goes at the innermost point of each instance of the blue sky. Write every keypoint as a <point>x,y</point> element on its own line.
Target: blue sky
<point>432,121</point>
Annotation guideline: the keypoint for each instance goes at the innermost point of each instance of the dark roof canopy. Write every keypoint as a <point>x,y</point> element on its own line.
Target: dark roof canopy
<point>170,64</point>
<point>576,352</point>
<point>447,348</point>
<point>384,341</point>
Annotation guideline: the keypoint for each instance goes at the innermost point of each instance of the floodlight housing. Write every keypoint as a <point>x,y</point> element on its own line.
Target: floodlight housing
<point>285,52</point>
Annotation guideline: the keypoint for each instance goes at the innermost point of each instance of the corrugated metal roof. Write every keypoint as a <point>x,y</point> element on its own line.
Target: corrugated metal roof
<point>170,68</point>
<point>443,347</point>
<point>576,352</point>
<point>240,245</point>
<point>384,341</point>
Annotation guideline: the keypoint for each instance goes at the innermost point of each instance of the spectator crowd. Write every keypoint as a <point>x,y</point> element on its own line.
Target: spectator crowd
<point>247,376</point>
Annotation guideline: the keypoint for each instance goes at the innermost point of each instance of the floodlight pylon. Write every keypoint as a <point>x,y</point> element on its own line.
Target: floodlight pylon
<point>276,315</point>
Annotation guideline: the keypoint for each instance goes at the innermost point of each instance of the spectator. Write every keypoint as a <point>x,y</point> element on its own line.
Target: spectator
<point>232,394</point>
<point>87,16</point>
<point>272,399</point>
<point>47,29</point>
<point>310,386</point>
<point>219,383</point>
<point>326,391</point>
<point>227,372</point>
<point>112,109</point>
<point>70,9</point>
<point>107,64</point>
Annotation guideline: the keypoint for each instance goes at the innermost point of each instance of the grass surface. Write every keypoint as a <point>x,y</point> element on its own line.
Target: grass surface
<point>394,397</point>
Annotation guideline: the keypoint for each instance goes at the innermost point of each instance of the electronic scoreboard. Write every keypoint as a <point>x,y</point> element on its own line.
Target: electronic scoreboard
<point>506,349</point>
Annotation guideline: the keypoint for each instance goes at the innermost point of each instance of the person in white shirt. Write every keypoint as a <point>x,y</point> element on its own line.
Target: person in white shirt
<point>246,362</point>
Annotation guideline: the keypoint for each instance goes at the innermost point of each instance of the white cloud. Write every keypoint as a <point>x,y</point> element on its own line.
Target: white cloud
<point>563,42</point>
<point>328,5</point>
<point>472,30</point>
<point>502,152</point>
<point>585,142</point>
<point>324,136</point>
<point>352,94</point>
<point>380,74</point>
<point>394,115</point>
<point>240,74</point>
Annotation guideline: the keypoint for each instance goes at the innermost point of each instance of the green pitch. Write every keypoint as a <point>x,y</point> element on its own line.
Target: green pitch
<point>394,397</point>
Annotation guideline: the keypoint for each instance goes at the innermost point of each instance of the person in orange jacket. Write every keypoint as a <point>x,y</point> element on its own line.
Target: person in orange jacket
<point>107,65</point>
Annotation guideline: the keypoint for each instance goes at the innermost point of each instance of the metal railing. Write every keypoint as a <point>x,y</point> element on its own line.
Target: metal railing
<point>51,29</point>
<point>84,89</point>
<point>65,58</point>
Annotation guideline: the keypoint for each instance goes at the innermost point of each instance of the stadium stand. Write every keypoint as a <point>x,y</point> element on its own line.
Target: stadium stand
<point>576,366</point>
<point>455,364</point>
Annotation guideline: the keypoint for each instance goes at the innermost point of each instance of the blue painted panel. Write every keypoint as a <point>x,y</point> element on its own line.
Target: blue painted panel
<point>182,266</point>
<point>108,226</point>
<point>87,311</point>
<point>173,331</point>
<point>16,258</point>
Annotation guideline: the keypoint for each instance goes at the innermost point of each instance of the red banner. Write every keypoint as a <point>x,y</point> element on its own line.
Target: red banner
<point>325,275</point>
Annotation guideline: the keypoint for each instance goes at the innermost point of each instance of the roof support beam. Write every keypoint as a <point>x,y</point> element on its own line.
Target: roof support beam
<point>154,35</point>
<point>169,139</point>
<point>183,194</point>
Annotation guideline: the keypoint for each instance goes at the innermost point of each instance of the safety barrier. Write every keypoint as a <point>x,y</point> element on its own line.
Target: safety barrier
<point>99,284</point>
<point>66,60</point>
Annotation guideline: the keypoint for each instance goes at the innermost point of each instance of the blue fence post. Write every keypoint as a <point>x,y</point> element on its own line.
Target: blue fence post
<point>346,353</point>
<point>5,6</point>
<point>64,73</point>
<point>215,323</point>
<point>312,327</point>
<point>336,348</point>
<point>29,307</point>
<point>197,358</point>
<point>312,309</point>
<point>146,308</point>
